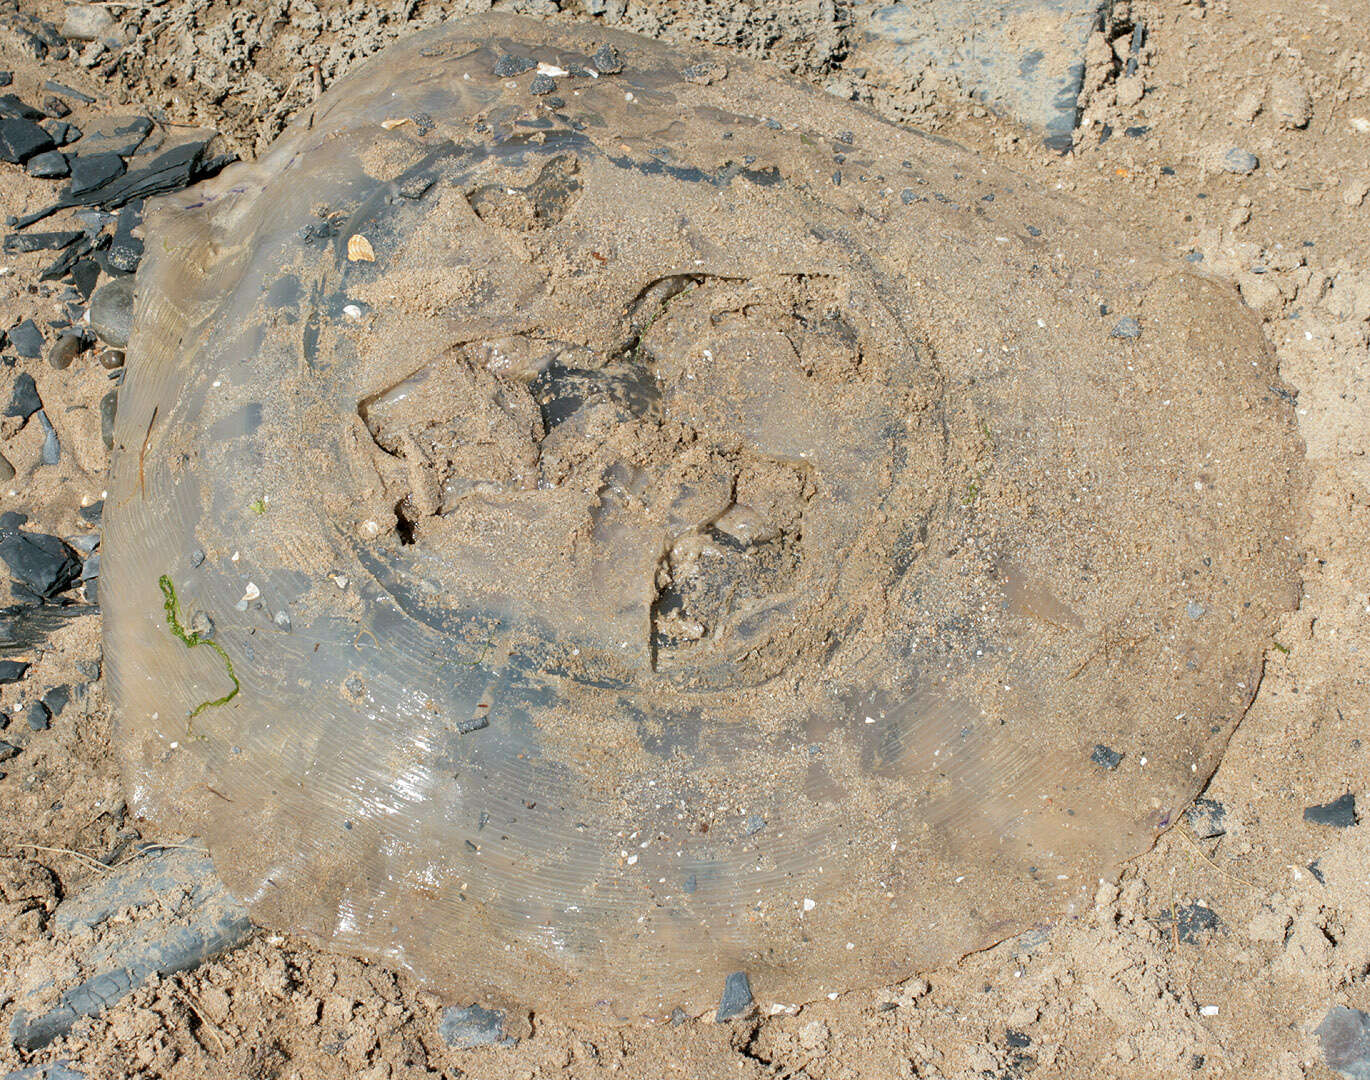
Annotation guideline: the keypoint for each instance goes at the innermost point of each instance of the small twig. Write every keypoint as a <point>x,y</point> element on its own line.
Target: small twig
<point>87,861</point>
<point>1194,845</point>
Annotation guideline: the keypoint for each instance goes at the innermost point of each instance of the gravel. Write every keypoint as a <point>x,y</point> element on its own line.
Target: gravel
<point>1239,161</point>
<point>1105,757</point>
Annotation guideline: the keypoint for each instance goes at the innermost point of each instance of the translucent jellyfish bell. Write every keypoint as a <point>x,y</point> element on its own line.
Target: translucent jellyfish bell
<point>668,524</point>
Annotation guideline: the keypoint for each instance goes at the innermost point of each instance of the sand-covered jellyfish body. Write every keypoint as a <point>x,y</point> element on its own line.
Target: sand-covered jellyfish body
<point>703,528</point>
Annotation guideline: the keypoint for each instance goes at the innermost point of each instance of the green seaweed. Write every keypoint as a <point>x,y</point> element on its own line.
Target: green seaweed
<point>191,640</point>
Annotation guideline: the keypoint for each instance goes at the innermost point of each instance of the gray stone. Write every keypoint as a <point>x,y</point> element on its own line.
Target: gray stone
<point>737,997</point>
<point>87,22</point>
<point>1345,1037</point>
<point>1105,757</point>
<point>1206,819</point>
<point>472,1026</point>
<point>111,312</point>
<point>91,172</point>
<point>1024,57</point>
<point>156,941</point>
<point>1340,813</point>
<point>1126,328</point>
<point>120,135</point>
<point>58,1070</point>
<point>1239,161</point>
<point>66,349</point>
<point>51,165</point>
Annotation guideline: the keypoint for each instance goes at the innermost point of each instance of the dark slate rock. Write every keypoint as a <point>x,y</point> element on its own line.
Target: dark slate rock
<point>91,172</point>
<point>94,513</point>
<point>52,449</point>
<point>1126,328</point>
<point>111,312</point>
<point>126,250</point>
<point>41,562</point>
<point>6,77</point>
<point>1345,1037</point>
<point>51,165</point>
<point>57,699</point>
<point>38,717</point>
<point>84,275</point>
<point>24,401</point>
<point>61,266</point>
<point>1340,813</point>
<point>12,107</point>
<point>52,86</point>
<point>26,626</point>
<point>43,241</point>
<point>55,107</point>
<point>8,751</point>
<point>1206,818</point>
<point>1194,920</point>
<point>21,140</point>
<point>155,942</point>
<point>58,1070</point>
<point>6,469</point>
<point>607,60</point>
<point>120,135</point>
<point>507,67</point>
<point>472,1026</point>
<point>62,131</point>
<point>737,997</point>
<point>26,339</point>
<point>11,671</point>
<point>542,84</point>
<point>1105,757</point>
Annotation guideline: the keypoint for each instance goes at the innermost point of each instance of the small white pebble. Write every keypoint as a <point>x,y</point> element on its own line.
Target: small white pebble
<point>1208,1010</point>
<point>809,905</point>
<point>352,312</point>
<point>552,70</point>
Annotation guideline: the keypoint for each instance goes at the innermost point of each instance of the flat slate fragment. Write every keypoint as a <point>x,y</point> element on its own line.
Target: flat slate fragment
<point>1345,1037</point>
<point>472,1026</point>
<point>26,339</point>
<point>1340,813</point>
<point>22,139</point>
<point>24,401</point>
<point>155,942</point>
<point>42,562</point>
<point>90,172</point>
<point>737,997</point>
<point>11,106</point>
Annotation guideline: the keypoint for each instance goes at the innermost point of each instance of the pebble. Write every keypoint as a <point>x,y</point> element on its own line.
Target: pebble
<point>736,999</point>
<point>66,349</point>
<point>472,1026</point>
<point>542,84</point>
<point>11,671</point>
<point>1239,161</point>
<point>21,139</point>
<point>87,22</point>
<point>1192,921</point>
<point>1290,103</point>
<point>1345,1037</point>
<point>1206,819</point>
<point>6,77</point>
<point>111,312</point>
<point>55,107</point>
<point>38,716</point>
<point>57,699</point>
<point>111,359</point>
<point>1126,328</point>
<point>607,60</point>
<point>27,340</point>
<point>51,165</point>
<point>109,407</point>
<point>506,67</point>
<point>1340,813</point>
<point>1105,757</point>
